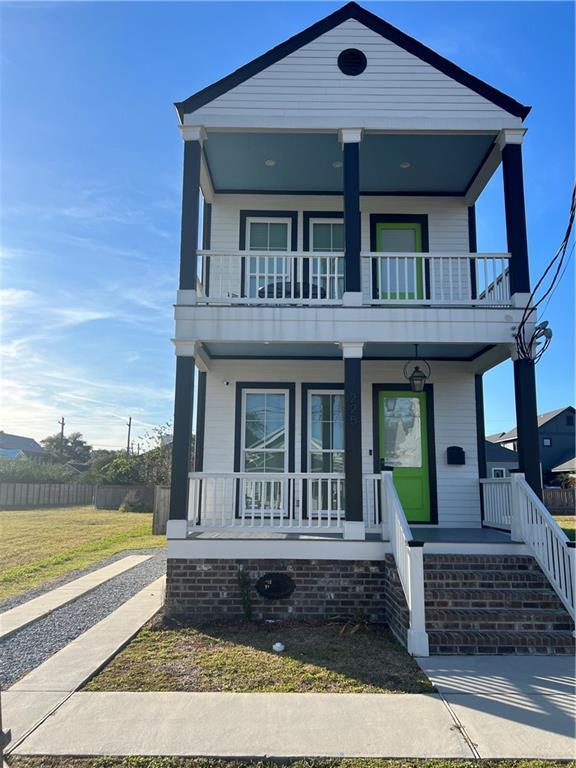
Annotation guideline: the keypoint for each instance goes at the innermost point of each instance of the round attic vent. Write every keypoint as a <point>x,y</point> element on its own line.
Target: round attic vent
<point>352,62</point>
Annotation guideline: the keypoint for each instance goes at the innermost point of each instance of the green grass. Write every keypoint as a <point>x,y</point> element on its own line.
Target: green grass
<point>195,762</point>
<point>568,525</point>
<point>39,545</point>
<point>239,657</point>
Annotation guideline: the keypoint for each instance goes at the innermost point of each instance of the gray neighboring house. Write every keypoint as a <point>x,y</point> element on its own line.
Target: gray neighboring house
<point>499,460</point>
<point>557,437</point>
<point>26,446</point>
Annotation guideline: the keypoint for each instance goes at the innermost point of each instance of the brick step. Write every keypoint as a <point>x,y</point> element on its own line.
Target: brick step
<point>548,620</point>
<point>492,598</point>
<point>443,642</point>
<point>524,565</point>
<point>486,579</point>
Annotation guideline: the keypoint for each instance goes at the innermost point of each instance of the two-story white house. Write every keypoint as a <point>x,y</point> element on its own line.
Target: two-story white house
<point>340,318</point>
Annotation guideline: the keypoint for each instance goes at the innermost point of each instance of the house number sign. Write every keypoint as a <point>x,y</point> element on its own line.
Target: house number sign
<point>274,586</point>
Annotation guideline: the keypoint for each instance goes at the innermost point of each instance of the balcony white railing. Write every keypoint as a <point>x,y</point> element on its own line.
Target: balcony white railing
<point>284,502</point>
<point>316,278</point>
<point>438,278</point>
<point>512,505</point>
<point>272,277</point>
<point>409,562</point>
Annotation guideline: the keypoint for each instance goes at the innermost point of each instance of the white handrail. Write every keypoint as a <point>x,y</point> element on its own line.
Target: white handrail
<point>547,542</point>
<point>408,555</point>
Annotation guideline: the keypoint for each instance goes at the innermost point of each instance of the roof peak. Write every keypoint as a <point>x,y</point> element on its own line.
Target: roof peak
<point>351,10</point>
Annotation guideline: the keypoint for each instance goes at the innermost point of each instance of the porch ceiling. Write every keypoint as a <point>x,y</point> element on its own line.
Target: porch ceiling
<point>386,351</point>
<point>439,163</point>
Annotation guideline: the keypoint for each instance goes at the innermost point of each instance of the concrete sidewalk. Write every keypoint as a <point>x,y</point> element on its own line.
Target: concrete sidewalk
<point>249,725</point>
<point>35,695</point>
<point>25,613</point>
<point>510,706</point>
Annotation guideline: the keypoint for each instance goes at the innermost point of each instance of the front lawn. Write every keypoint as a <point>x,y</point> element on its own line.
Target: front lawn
<point>568,525</point>
<point>37,545</point>
<point>239,657</point>
<point>199,762</point>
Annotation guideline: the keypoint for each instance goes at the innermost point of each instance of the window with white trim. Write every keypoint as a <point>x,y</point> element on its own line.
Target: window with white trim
<point>498,473</point>
<point>327,236</point>
<point>268,275</point>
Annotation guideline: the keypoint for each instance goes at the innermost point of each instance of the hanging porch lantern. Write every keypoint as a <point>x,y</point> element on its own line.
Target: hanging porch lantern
<point>415,374</point>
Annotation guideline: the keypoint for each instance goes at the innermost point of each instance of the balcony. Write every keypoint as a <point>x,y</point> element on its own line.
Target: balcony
<point>302,278</point>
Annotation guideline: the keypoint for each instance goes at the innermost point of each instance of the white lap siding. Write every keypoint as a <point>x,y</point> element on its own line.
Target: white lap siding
<point>454,420</point>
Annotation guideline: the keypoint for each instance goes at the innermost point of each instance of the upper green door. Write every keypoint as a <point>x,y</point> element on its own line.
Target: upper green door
<point>404,446</point>
<point>399,277</point>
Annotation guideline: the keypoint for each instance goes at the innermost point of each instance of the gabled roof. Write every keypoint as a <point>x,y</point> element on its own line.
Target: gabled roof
<point>495,452</point>
<point>543,418</point>
<point>376,24</point>
<point>567,466</point>
<point>27,444</point>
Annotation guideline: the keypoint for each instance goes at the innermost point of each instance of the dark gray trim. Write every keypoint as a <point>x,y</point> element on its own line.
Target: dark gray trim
<point>190,215</point>
<point>292,215</point>
<point>200,422</point>
<point>473,248</point>
<point>353,438</point>
<point>352,244</point>
<point>206,241</point>
<point>515,218</point>
<point>305,389</point>
<point>429,389</point>
<point>241,385</point>
<point>376,24</point>
<point>308,215</point>
<point>182,438</point>
<point>528,441</point>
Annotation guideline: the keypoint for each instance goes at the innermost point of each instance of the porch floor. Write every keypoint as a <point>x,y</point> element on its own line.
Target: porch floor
<point>427,535</point>
<point>460,535</point>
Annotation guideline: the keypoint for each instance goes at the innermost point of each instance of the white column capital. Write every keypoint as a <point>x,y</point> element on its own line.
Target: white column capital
<point>350,135</point>
<point>352,349</point>
<point>510,136</point>
<point>193,133</point>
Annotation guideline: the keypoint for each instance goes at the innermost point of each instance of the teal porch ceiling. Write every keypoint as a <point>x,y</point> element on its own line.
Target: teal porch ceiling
<point>439,164</point>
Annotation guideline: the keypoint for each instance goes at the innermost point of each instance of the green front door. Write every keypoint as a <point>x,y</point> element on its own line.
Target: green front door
<point>404,446</point>
<point>399,277</point>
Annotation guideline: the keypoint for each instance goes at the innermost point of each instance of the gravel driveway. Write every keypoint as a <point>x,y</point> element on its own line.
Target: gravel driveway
<point>30,646</point>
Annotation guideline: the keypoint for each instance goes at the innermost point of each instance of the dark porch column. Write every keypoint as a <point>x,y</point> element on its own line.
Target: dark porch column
<point>184,389</point>
<point>354,526</point>
<point>352,277</point>
<point>524,374</point>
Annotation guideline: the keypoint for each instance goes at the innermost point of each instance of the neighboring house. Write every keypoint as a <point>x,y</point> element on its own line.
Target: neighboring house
<point>557,439</point>
<point>566,468</point>
<point>12,453</point>
<point>499,461</point>
<point>341,318</point>
<point>26,446</point>
<point>78,467</point>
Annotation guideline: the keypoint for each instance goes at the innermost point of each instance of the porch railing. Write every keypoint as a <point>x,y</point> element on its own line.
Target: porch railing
<point>519,510</point>
<point>294,501</point>
<point>408,556</point>
<point>310,278</point>
<point>439,278</point>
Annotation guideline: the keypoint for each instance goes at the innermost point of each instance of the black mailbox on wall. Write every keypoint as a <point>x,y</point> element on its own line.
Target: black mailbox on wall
<point>455,455</point>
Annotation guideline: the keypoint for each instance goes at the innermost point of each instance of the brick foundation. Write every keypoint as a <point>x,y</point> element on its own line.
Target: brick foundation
<point>202,590</point>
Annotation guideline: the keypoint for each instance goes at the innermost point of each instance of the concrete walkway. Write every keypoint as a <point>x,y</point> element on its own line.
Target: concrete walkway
<point>30,611</point>
<point>510,706</point>
<point>249,725</point>
<point>34,696</point>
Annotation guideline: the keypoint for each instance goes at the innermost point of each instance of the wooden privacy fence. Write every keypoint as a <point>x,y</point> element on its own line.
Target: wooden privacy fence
<point>560,501</point>
<point>19,495</point>
<point>161,509</point>
<point>113,496</point>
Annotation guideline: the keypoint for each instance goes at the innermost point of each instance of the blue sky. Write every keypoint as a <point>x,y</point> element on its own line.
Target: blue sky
<point>91,186</point>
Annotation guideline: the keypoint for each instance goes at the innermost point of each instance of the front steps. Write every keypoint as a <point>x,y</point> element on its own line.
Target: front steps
<point>493,604</point>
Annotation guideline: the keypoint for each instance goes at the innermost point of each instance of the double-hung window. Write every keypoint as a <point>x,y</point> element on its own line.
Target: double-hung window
<point>326,273</point>
<point>326,451</point>
<point>264,448</point>
<point>268,276</point>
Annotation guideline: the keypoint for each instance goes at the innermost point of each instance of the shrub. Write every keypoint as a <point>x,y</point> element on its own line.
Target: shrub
<point>28,471</point>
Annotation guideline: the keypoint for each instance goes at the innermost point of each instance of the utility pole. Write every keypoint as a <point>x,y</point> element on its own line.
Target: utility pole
<point>129,425</point>
<point>61,422</point>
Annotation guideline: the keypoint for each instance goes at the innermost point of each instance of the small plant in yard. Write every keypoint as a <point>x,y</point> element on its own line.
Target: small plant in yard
<point>352,624</point>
